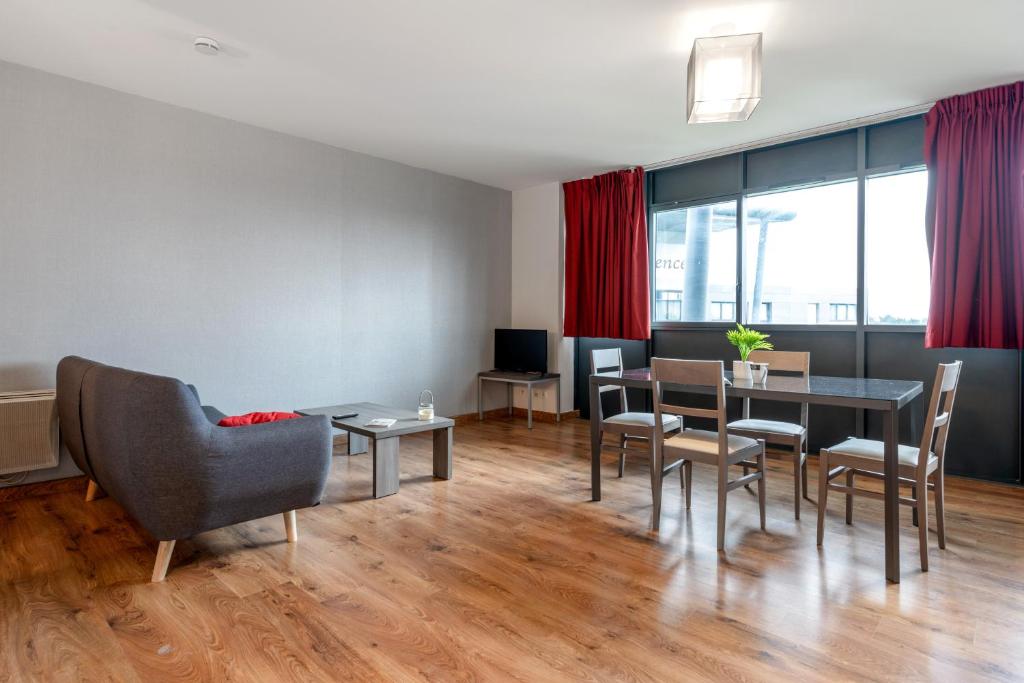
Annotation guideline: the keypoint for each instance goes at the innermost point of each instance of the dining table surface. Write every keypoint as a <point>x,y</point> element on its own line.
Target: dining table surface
<point>887,396</point>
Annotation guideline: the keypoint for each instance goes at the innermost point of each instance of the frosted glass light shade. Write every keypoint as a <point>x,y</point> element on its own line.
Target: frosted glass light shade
<point>723,78</point>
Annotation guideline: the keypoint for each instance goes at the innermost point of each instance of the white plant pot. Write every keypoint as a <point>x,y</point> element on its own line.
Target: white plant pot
<point>741,369</point>
<point>758,372</point>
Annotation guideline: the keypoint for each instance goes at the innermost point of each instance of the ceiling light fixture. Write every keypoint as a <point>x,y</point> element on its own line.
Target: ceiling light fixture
<point>723,78</point>
<point>206,46</point>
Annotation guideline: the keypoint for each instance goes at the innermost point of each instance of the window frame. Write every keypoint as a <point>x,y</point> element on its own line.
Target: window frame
<point>862,173</point>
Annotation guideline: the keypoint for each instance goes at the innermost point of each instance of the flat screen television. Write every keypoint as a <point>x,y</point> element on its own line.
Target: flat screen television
<point>521,350</point>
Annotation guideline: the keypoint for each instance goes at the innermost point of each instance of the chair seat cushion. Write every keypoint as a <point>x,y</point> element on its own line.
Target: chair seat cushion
<point>643,420</point>
<point>875,450</point>
<point>768,426</point>
<point>702,441</point>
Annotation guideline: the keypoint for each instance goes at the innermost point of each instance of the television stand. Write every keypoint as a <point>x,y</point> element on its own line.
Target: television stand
<point>530,379</point>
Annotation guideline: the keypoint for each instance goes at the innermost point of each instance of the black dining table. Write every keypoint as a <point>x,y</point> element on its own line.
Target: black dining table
<point>887,396</point>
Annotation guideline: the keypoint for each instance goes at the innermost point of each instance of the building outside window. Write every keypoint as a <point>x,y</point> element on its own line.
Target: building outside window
<point>695,263</point>
<point>842,313</point>
<point>723,310</point>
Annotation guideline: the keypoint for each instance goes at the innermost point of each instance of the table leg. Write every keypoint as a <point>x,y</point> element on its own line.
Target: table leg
<point>443,453</point>
<point>529,406</point>
<point>508,392</point>
<point>595,441</point>
<point>480,397</point>
<point>890,428</point>
<point>385,467</point>
<point>357,443</point>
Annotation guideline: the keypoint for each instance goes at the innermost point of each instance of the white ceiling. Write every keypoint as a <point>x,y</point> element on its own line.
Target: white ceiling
<point>515,93</point>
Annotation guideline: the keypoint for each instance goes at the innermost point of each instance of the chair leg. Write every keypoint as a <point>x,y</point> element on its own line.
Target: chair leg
<point>93,491</point>
<point>849,496</point>
<point>656,465</point>
<point>797,481</point>
<point>723,491</point>
<point>746,471</point>
<point>913,514</point>
<point>922,529</point>
<point>803,468</point>
<point>762,484</point>
<point>940,508</point>
<point>291,526</point>
<point>163,560</point>
<point>689,481</point>
<point>822,492</point>
<point>622,456</point>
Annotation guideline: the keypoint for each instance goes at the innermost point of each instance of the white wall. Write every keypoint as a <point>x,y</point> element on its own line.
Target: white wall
<point>537,283</point>
<point>271,272</point>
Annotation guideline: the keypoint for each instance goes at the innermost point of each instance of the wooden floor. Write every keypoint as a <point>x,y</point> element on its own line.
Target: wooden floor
<point>509,572</point>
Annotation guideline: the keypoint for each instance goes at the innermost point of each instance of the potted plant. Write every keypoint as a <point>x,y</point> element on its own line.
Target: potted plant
<point>746,340</point>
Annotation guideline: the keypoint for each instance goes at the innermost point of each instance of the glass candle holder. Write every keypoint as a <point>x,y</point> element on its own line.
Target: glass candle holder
<point>426,411</point>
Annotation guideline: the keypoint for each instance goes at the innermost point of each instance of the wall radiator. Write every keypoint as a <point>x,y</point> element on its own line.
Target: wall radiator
<point>29,435</point>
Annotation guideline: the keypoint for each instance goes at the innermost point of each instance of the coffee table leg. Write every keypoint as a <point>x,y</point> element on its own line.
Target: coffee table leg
<point>385,467</point>
<point>357,443</point>
<point>443,453</point>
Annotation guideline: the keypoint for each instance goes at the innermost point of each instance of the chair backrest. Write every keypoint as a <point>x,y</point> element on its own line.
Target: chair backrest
<point>782,361</point>
<point>609,360</point>
<point>692,373</point>
<point>940,412</point>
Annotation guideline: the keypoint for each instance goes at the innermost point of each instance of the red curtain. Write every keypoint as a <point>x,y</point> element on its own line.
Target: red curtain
<point>607,291</point>
<point>974,148</point>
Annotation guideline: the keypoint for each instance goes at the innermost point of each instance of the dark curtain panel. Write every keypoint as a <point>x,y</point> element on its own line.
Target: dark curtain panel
<point>974,148</point>
<point>606,263</point>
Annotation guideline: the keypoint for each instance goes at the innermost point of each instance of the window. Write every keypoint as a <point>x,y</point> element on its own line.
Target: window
<point>812,313</point>
<point>842,313</point>
<point>723,310</point>
<point>695,263</point>
<point>896,267</point>
<point>800,249</point>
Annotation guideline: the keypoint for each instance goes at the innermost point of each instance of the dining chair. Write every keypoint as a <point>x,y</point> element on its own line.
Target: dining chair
<point>630,426</point>
<point>916,464</point>
<point>718,448</point>
<point>792,434</point>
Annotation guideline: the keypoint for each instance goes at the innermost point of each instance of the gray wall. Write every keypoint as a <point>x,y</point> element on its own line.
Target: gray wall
<point>270,271</point>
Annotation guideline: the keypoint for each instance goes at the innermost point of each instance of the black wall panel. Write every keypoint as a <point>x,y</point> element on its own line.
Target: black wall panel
<point>817,159</point>
<point>896,144</point>
<point>984,436</point>
<point>699,180</point>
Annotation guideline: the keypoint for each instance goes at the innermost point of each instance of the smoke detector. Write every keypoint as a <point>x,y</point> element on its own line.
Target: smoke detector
<point>206,46</point>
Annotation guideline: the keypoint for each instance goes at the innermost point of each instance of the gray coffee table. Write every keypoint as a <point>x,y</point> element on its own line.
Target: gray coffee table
<point>384,442</point>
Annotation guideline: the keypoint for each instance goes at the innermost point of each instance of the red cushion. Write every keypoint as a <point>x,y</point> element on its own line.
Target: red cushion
<point>254,419</point>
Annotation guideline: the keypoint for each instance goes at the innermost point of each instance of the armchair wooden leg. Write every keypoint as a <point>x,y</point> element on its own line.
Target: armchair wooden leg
<point>93,492</point>
<point>822,493</point>
<point>291,527</point>
<point>163,560</point>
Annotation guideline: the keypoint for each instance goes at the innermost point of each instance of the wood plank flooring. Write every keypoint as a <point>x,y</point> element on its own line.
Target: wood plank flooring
<point>509,572</point>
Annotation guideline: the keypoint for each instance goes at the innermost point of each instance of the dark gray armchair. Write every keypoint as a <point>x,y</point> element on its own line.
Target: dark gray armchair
<point>146,441</point>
